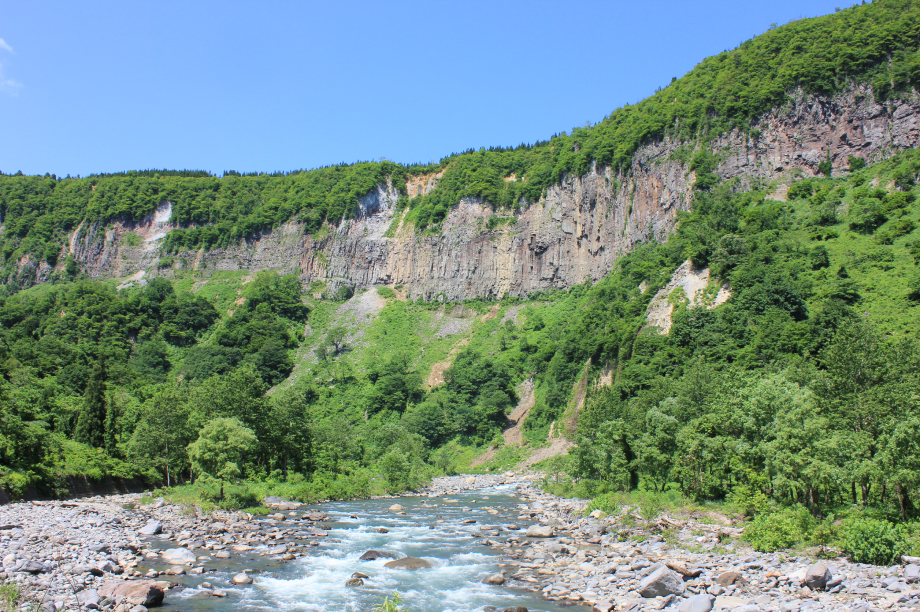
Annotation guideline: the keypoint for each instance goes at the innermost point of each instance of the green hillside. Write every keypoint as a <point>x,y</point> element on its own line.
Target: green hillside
<point>796,399</point>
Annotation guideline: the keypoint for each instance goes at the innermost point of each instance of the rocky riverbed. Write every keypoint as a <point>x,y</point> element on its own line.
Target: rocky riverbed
<point>119,553</point>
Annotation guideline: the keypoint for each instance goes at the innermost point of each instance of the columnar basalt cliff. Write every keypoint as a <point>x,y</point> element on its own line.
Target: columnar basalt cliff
<point>575,233</point>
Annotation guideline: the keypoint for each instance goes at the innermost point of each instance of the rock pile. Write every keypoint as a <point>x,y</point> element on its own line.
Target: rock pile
<point>124,552</point>
<point>628,564</point>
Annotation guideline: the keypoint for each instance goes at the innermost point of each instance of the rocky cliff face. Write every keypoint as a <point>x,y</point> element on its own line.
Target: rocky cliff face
<point>576,233</point>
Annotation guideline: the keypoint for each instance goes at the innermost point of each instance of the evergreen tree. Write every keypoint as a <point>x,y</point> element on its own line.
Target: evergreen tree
<point>111,424</point>
<point>90,428</point>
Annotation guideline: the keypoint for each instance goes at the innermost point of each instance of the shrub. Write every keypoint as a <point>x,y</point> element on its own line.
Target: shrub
<point>783,529</point>
<point>238,497</point>
<point>873,541</point>
<point>386,293</point>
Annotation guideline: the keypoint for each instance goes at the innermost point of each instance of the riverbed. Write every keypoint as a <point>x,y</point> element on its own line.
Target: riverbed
<point>445,531</point>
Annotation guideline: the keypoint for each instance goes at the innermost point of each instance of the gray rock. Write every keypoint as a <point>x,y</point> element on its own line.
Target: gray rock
<point>373,555</point>
<point>817,576</point>
<point>34,567</point>
<point>697,603</point>
<point>354,582</point>
<point>151,528</point>
<point>89,598</point>
<point>178,556</point>
<point>911,573</point>
<point>410,563</point>
<point>241,579</point>
<point>661,582</point>
<point>496,579</point>
<point>540,531</point>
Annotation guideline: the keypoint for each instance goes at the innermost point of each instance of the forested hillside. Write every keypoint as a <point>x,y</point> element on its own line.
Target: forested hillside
<point>801,391</point>
<point>874,43</point>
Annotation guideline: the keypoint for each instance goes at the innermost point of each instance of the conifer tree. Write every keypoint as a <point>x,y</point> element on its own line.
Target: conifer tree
<point>90,424</point>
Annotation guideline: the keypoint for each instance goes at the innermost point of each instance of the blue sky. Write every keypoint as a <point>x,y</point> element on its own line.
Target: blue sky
<point>262,86</point>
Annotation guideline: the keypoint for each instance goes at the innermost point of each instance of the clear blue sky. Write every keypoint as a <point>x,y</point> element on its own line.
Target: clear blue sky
<point>272,85</point>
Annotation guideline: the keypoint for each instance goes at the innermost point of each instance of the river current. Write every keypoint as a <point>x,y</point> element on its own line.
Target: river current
<point>432,529</point>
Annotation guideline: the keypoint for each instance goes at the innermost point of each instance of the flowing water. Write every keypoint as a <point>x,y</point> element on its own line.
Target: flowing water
<point>431,529</point>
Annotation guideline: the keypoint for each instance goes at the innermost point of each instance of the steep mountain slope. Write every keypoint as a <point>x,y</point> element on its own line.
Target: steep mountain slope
<point>516,221</point>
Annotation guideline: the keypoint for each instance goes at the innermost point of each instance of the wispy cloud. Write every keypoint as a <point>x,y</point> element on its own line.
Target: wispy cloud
<point>6,46</point>
<point>8,86</point>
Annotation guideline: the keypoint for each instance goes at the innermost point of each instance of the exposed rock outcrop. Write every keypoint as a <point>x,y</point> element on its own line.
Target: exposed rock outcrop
<point>689,285</point>
<point>575,233</point>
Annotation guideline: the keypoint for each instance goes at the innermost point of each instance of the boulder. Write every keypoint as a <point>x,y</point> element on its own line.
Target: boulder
<point>661,582</point>
<point>470,480</point>
<point>496,579</point>
<point>410,563</point>
<point>151,528</point>
<point>697,603</point>
<point>373,555</point>
<point>222,554</point>
<point>728,578</point>
<point>681,568</point>
<point>315,516</point>
<point>135,592</point>
<point>178,556</point>
<point>912,573</point>
<point>34,567</point>
<point>604,606</point>
<point>89,598</point>
<point>540,531</point>
<point>818,576</point>
<point>396,508</point>
<point>105,567</point>
<point>218,593</point>
<point>354,582</point>
<point>242,579</point>
<point>359,575</point>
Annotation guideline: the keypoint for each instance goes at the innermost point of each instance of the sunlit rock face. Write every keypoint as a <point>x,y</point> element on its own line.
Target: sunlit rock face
<point>575,233</point>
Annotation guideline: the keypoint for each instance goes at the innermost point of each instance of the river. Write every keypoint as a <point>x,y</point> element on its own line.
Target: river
<point>431,528</point>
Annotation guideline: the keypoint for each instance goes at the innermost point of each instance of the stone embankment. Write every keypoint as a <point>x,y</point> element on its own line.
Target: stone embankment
<point>127,553</point>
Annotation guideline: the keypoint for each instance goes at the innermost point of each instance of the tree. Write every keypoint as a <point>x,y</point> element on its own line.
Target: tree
<point>336,338</point>
<point>90,424</point>
<point>163,433</point>
<point>220,448</point>
<point>150,359</point>
<point>281,293</point>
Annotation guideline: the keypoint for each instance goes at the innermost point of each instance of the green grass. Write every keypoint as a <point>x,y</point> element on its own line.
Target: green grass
<point>10,596</point>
